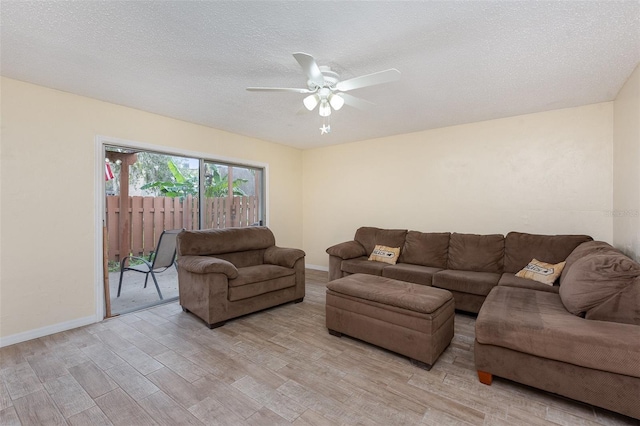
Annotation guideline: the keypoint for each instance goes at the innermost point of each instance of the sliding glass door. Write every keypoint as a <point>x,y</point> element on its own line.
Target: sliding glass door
<point>147,193</point>
<point>233,196</point>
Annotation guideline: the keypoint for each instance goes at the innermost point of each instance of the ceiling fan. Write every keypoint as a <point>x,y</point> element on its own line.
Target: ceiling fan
<point>324,87</point>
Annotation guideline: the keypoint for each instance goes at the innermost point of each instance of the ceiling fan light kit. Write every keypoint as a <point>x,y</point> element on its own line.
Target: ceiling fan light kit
<point>311,101</point>
<point>325,109</point>
<point>324,88</point>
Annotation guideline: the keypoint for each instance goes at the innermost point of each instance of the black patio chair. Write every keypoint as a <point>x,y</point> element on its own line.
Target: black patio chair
<point>163,258</point>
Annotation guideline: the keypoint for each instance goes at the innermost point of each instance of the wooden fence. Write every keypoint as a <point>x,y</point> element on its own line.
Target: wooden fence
<point>149,216</point>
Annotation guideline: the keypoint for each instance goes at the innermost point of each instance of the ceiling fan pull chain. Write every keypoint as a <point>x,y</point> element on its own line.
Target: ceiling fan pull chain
<point>326,125</point>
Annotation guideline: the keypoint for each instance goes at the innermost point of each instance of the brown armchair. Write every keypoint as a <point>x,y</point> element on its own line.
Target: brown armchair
<point>226,273</point>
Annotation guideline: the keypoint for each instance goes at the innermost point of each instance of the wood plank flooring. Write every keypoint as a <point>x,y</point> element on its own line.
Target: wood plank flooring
<point>277,367</point>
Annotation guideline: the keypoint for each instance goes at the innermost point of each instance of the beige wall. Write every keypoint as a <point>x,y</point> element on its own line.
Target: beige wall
<point>546,173</point>
<point>48,166</point>
<point>626,167</point>
<point>549,172</point>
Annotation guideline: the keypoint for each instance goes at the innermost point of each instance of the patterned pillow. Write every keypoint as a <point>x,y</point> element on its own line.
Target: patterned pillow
<point>385,254</point>
<point>545,273</point>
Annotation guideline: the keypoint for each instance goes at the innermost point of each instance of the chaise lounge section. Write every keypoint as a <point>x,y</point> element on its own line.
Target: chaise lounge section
<point>581,341</point>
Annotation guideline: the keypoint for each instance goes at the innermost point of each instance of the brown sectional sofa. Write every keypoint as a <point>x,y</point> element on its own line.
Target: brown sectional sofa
<point>579,338</point>
<point>226,273</point>
<point>467,265</point>
<point>582,342</point>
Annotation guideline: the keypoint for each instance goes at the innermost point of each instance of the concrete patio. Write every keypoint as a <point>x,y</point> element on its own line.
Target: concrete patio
<point>134,296</point>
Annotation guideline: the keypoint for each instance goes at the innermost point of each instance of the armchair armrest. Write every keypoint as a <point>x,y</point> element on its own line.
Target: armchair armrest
<point>347,250</point>
<point>281,256</point>
<point>207,265</point>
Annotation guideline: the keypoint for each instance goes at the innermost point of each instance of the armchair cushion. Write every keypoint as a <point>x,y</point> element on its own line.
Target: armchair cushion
<point>208,265</point>
<point>261,279</point>
<point>260,273</point>
<point>286,257</point>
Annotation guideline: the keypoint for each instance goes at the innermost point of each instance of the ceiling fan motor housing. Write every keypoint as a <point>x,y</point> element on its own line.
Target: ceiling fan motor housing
<point>330,78</point>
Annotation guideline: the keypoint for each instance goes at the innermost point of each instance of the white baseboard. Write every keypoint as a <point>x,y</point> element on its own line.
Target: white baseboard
<point>45,331</point>
<point>68,325</point>
<point>317,267</point>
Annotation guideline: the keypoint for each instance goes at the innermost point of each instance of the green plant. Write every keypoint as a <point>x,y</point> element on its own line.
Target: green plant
<point>114,266</point>
<point>217,185</point>
<point>179,185</point>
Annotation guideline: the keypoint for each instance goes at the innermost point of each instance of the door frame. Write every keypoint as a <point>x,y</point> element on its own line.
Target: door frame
<point>99,195</point>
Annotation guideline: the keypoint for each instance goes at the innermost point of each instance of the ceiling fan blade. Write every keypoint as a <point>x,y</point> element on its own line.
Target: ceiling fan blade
<point>369,80</point>
<point>279,89</point>
<point>310,67</point>
<point>357,103</point>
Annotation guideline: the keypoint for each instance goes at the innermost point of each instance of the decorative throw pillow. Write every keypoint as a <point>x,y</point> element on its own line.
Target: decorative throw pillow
<point>545,273</point>
<point>385,254</point>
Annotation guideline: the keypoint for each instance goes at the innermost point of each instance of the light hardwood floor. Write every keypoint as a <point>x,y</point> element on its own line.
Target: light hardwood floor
<point>280,366</point>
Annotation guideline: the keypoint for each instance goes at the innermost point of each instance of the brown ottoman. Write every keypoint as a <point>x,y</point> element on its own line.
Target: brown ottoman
<point>411,319</point>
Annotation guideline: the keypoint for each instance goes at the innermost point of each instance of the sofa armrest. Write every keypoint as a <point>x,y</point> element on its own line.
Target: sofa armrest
<point>207,265</point>
<point>347,250</point>
<point>286,257</point>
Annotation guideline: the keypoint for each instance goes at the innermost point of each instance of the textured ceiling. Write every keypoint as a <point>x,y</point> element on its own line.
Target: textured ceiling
<point>460,62</point>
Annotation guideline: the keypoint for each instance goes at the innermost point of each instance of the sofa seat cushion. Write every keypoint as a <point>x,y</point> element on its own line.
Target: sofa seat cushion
<point>478,283</point>
<point>362,265</point>
<point>256,280</point>
<point>536,323</point>
<point>510,280</point>
<point>412,297</point>
<point>417,274</point>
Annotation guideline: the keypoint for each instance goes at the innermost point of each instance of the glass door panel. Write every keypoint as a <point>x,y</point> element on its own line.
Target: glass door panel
<point>233,196</point>
<point>146,194</point>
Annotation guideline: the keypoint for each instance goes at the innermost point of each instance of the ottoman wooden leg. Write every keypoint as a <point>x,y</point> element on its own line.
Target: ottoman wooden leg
<point>485,378</point>
<point>334,333</point>
<point>420,364</point>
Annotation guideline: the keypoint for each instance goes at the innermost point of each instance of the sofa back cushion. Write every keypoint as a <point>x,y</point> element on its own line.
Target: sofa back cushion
<point>590,247</point>
<point>604,285</point>
<point>369,237</point>
<point>479,253</point>
<point>623,307</point>
<point>242,259</point>
<point>208,242</point>
<point>426,249</point>
<point>521,248</point>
